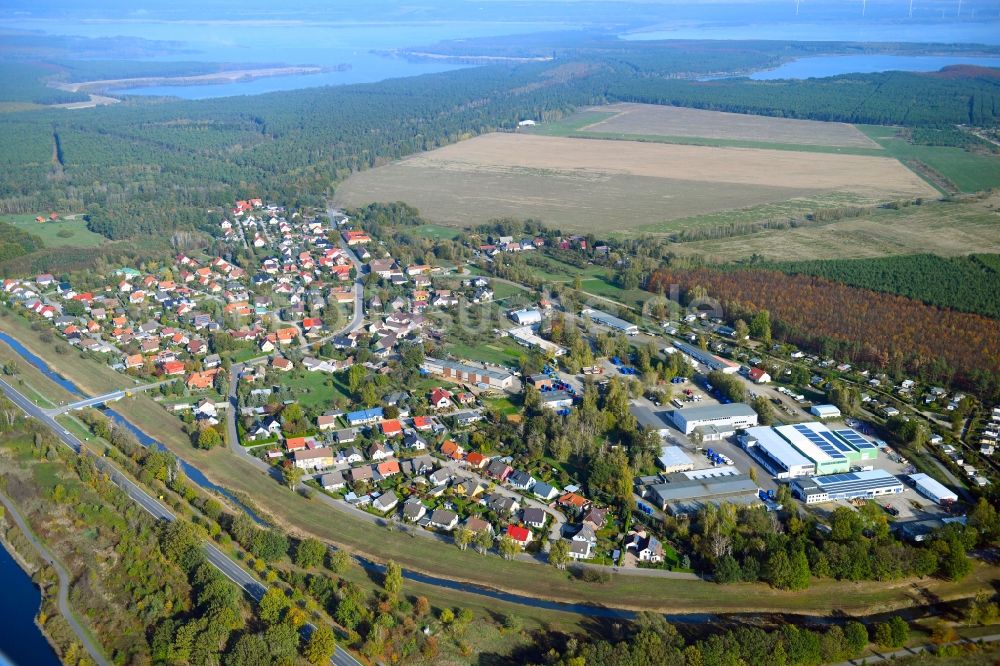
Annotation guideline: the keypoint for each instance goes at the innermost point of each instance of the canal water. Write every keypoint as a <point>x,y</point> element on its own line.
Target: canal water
<point>190,471</point>
<point>21,643</point>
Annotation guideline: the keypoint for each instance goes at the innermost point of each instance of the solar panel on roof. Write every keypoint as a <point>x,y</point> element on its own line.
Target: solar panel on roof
<point>840,445</point>
<point>855,439</point>
<point>827,445</point>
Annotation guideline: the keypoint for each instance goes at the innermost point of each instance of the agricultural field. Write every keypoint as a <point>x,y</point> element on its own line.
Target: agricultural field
<point>951,168</point>
<point>942,228</point>
<point>583,185</point>
<point>58,233</point>
<point>675,121</point>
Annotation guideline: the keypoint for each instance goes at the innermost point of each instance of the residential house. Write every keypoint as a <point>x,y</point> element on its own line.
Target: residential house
<point>200,381</point>
<point>501,504</point>
<point>385,502</point>
<point>443,519</point>
<point>451,449</point>
<point>353,455</point>
<point>319,458</point>
<point>440,399</point>
<point>363,473</point>
<point>365,416</point>
<point>499,470</point>
<point>544,491</point>
<point>476,525</point>
<point>595,518</point>
<point>580,550</point>
<point>293,444</point>
<point>387,468</point>
<point>520,480</point>
<point>414,442</point>
<point>534,517</point>
<point>519,534</point>
<point>440,477</point>
<point>645,547</point>
<point>413,509</point>
<point>476,460</point>
<point>469,488</point>
<point>391,428</point>
<point>572,500</point>
<point>332,481</point>
<point>346,436</point>
<point>379,451</point>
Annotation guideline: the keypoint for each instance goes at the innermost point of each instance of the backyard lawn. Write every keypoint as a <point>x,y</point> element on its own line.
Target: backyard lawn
<point>315,390</point>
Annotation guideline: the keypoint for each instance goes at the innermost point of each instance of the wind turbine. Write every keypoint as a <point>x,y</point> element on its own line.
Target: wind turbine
<point>864,7</point>
<point>910,14</point>
<point>959,14</point>
<point>797,7</point>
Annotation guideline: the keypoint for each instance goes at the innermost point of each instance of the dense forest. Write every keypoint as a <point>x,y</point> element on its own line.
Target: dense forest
<point>969,284</point>
<point>21,82</point>
<point>866,327</point>
<point>146,167</point>
<point>968,96</point>
<point>16,243</point>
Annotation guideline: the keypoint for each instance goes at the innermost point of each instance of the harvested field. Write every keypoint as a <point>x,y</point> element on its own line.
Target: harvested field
<point>584,185</point>
<point>656,120</point>
<point>946,229</point>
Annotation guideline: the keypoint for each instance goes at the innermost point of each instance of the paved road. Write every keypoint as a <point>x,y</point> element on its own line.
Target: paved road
<point>880,657</point>
<point>64,581</point>
<point>107,397</point>
<point>216,557</point>
<point>558,519</point>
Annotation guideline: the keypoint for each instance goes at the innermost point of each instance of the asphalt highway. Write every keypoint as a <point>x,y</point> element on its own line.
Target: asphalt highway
<point>216,557</point>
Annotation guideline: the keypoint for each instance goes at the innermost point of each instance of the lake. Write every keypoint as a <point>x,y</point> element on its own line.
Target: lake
<point>21,643</point>
<point>929,32</point>
<point>325,44</point>
<point>806,68</point>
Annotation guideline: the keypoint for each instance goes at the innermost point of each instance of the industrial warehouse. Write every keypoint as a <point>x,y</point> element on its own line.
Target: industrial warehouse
<point>807,449</point>
<point>932,489</point>
<point>722,420</point>
<point>832,451</point>
<point>527,337</point>
<point>775,454</point>
<point>687,492</point>
<point>611,321</point>
<point>461,372</point>
<point>852,485</point>
<point>711,361</point>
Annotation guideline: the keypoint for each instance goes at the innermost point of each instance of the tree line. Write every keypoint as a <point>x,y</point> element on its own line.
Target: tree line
<point>867,328</point>
<point>969,284</point>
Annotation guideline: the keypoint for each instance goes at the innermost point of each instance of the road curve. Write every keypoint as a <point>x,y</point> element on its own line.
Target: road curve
<point>64,581</point>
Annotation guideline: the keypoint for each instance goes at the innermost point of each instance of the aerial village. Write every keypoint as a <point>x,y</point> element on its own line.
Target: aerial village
<point>328,360</point>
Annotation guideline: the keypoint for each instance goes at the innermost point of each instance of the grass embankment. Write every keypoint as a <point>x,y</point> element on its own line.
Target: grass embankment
<point>301,516</point>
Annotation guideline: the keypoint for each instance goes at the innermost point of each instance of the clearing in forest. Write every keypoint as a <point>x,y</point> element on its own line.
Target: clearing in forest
<point>585,185</point>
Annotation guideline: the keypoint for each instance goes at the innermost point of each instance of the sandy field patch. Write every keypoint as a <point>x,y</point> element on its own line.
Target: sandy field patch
<point>657,120</point>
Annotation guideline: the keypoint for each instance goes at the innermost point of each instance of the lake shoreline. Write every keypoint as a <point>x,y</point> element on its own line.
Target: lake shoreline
<point>29,569</point>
